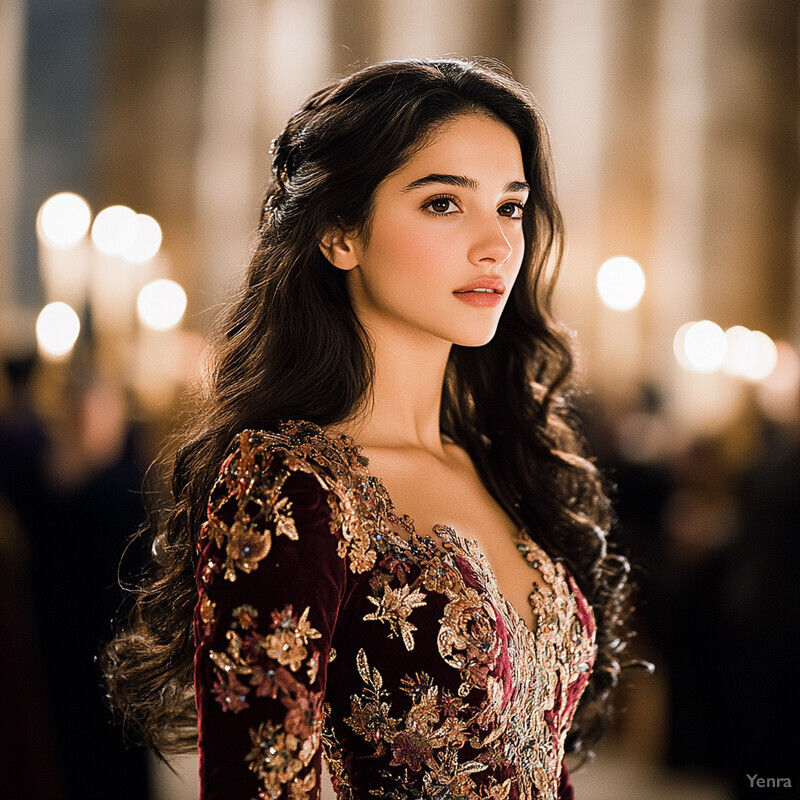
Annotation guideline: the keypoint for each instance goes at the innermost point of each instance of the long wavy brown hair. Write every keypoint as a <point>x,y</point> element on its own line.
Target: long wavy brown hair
<point>291,347</point>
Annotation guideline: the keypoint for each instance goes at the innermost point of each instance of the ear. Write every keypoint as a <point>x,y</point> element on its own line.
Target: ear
<point>339,248</point>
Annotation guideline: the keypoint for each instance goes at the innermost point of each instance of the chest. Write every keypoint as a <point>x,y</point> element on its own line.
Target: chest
<point>432,494</point>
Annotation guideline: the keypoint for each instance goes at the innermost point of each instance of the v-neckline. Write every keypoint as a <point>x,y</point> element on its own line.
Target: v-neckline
<point>407,521</point>
<point>347,443</point>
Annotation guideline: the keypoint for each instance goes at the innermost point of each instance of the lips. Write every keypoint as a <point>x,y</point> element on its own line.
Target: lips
<point>484,285</point>
<point>485,299</point>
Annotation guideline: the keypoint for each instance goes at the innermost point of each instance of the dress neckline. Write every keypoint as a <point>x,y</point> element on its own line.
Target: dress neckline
<point>529,549</point>
<point>355,449</point>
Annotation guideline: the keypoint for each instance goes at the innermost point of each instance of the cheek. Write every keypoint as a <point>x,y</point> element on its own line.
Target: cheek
<point>407,252</point>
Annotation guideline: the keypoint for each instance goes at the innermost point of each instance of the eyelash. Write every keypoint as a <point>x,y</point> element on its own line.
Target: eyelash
<point>428,203</point>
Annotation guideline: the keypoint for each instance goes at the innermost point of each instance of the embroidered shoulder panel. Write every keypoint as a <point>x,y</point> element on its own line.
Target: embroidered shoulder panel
<point>253,477</point>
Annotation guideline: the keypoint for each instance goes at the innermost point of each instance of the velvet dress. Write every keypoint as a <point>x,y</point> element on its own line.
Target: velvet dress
<point>326,624</point>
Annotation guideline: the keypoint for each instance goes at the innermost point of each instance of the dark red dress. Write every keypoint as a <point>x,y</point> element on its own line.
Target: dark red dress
<point>325,623</point>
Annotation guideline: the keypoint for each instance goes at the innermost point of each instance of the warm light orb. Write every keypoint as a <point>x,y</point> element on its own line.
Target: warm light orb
<point>751,354</point>
<point>679,344</point>
<point>63,219</point>
<point>704,346</point>
<point>114,230</point>
<point>620,283</point>
<point>57,329</point>
<point>161,304</point>
<point>146,240</point>
<point>740,350</point>
<point>765,357</point>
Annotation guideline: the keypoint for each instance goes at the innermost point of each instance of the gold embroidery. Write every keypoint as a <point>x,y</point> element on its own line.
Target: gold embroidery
<point>276,758</point>
<point>207,611</point>
<point>370,718</point>
<point>280,751</point>
<point>394,608</point>
<point>256,495</point>
<point>245,617</point>
<point>425,743</point>
<point>526,729</point>
<point>334,755</point>
<point>508,715</point>
<point>288,644</point>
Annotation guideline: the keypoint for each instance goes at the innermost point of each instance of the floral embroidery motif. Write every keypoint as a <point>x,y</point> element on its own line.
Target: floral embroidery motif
<point>394,608</point>
<point>487,717</point>
<point>248,487</point>
<point>277,757</point>
<point>424,744</point>
<point>279,751</point>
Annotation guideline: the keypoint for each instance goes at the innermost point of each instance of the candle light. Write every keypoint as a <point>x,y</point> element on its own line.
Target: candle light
<point>146,240</point>
<point>620,286</point>
<point>751,355</point>
<point>61,226</point>
<point>620,283</point>
<point>57,329</point>
<point>112,290</point>
<point>160,305</point>
<point>705,346</point>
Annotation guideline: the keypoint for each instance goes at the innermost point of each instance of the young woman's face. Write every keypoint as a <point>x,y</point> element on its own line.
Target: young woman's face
<point>445,226</point>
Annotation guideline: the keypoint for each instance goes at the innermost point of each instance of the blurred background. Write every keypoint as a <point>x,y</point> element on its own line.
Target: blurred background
<point>134,139</point>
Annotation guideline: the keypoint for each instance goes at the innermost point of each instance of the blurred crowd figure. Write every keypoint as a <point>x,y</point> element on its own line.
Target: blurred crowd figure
<point>711,523</point>
<point>69,499</point>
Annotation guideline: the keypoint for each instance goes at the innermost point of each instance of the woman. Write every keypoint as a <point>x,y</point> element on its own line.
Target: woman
<point>403,559</point>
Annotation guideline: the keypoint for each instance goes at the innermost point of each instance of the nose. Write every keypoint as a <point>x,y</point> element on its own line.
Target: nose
<point>489,245</point>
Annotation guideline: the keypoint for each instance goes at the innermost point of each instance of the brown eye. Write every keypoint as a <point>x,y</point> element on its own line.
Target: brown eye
<point>512,210</point>
<point>440,206</point>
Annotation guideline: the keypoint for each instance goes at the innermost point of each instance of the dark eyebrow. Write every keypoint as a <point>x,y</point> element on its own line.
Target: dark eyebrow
<point>518,186</point>
<point>462,181</point>
<point>450,180</point>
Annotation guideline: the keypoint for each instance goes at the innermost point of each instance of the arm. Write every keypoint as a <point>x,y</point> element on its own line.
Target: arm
<point>271,581</point>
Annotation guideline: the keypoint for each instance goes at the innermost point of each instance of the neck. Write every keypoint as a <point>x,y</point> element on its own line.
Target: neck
<point>406,393</point>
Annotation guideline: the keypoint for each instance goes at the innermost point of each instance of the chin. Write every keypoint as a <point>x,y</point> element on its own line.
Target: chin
<point>475,338</point>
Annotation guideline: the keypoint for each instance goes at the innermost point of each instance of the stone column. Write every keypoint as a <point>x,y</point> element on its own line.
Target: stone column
<point>753,168</point>
<point>261,60</point>
<point>675,289</point>
<point>12,24</point>
<point>421,29</point>
<point>148,121</point>
<point>563,56</point>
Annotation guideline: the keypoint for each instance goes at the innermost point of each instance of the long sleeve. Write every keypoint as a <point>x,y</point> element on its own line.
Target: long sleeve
<point>271,581</point>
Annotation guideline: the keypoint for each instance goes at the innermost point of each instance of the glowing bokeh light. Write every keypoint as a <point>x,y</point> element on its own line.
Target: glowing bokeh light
<point>740,350</point>
<point>114,230</point>
<point>161,304</point>
<point>146,240</point>
<point>704,346</point>
<point>63,219</point>
<point>751,354</point>
<point>679,345</point>
<point>620,283</point>
<point>765,357</point>
<point>57,329</point>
